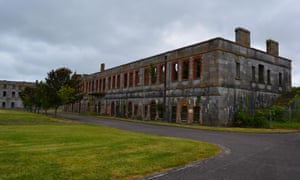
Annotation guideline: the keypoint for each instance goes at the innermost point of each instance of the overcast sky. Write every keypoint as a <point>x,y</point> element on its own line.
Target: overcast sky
<point>37,36</point>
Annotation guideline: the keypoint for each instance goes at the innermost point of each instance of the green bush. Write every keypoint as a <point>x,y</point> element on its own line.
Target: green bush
<point>277,113</point>
<point>244,119</point>
<point>259,119</point>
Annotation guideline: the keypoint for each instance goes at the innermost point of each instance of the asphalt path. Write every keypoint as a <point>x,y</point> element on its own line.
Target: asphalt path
<point>244,155</point>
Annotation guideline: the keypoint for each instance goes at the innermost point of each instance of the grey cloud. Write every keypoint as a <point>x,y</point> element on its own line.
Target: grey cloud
<point>42,35</point>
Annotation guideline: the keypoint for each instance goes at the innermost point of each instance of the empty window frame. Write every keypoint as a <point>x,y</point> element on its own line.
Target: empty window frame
<point>109,83</point>
<point>104,84</point>
<point>237,70</point>
<point>114,82</point>
<point>125,80</point>
<point>93,85</point>
<point>100,85</point>
<point>118,81</point>
<point>175,69</point>
<point>261,69</point>
<point>130,79</point>
<point>269,76</point>
<point>4,93</point>
<point>96,84</point>
<point>153,73</point>
<point>197,68</point>
<point>185,70</point>
<point>136,78</point>
<point>280,79</point>
<point>253,73</point>
<point>162,72</point>
<point>146,76</point>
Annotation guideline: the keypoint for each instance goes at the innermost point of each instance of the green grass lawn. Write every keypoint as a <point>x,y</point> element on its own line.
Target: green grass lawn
<point>36,146</point>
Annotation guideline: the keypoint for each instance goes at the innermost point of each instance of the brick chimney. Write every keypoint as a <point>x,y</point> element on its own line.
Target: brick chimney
<point>102,67</point>
<point>272,47</point>
<point>242,36</point>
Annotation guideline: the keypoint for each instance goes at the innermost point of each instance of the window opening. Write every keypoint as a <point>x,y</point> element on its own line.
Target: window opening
<point>238,70</point>
<point>185,70</point>
<point>261,73</point>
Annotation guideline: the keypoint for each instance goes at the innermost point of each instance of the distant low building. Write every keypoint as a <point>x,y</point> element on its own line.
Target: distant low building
<point>10,94</point>
<point>204,83</point>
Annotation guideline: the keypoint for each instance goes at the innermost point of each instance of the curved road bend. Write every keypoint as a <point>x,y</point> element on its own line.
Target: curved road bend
<point>245,156</point>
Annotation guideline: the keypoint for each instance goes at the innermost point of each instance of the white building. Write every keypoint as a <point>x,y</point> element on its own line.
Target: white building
<point>10,94</point>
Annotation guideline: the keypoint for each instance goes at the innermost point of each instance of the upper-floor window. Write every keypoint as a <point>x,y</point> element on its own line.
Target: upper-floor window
<point>114,82</point>
<point>100,85</point>
<point>137,78</point>
<point>13,94</point>
<point>269,76</point>
<point>118,81</point>
<point>104,84</point>
<point>153,73</point>
<point>237,70</point>
<point>197,68</point>
<point>175,69</point>
<point>185,70</point>
<point>146,76</point>
<point>280,79</point>
<point>125,80</point>
<point>109,83</point>
<point>4,93</point>
<point>162,72</point>
<point>261,70</point>
<point>96,84</point>
<point>253,73</point>
<point>130,79</point>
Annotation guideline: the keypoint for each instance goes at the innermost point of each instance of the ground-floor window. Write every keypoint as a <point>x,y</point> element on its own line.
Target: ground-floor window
<point>184,113</point>
<point>145,111</point>
<point>129,109</point>
<point>112,108</point>
<point>135,110</point>
<point>152,111</point>
<point>196,114</point>
<point>173,114</point>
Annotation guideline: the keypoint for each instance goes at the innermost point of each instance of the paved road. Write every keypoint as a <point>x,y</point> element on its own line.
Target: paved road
<point>245,156</point>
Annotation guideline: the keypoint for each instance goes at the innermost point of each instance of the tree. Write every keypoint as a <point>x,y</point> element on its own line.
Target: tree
<point>28,97</point>
<point>61,86</point>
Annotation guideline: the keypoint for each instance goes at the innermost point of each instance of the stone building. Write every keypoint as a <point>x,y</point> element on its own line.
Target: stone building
<point>9,94</point>
<point>203,83</point>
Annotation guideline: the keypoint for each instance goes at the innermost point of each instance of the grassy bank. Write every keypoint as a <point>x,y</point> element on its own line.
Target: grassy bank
<point>40,147</point>
<point>276,127</point>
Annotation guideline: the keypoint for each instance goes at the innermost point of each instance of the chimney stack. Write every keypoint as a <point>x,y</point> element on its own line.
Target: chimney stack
<point>272,47</point>
<point>102,67</point>
<point>242,36</point>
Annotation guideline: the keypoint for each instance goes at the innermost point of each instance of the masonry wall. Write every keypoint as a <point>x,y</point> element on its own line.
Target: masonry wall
<point>212,80</point>
<point>9,94</point>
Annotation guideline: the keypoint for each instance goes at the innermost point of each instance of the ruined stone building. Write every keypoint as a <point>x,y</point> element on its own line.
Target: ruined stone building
<point>10,94</point>
<point>202,83</point>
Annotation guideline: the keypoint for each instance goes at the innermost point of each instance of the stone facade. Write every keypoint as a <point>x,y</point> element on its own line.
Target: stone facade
<point>204,83</point>
<point>9,94</point>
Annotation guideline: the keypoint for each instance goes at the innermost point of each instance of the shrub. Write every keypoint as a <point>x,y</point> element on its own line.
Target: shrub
<point>259,119</point>
<point>277,113</point>
<point>242,118</point>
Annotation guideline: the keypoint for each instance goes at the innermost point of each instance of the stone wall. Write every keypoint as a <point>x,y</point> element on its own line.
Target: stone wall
<point>203,83</point>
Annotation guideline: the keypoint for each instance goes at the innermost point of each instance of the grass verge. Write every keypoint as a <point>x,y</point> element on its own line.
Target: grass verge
<point>277,127</point>
<point>43,147</point>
